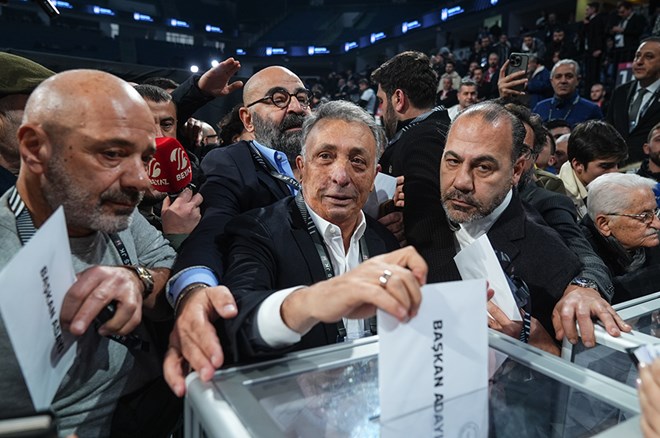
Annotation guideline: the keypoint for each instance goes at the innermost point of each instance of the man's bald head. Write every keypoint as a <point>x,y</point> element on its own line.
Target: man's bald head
<point>76,98</point>
<point>277,126</point>
<point>85,141</point>
<point>274,76</point>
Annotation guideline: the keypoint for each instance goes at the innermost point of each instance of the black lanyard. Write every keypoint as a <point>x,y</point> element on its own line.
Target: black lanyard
<point>26,229</point>
<point>416,121</point>
<point>318,243</point>
<point>322,251</point>
<point>286,179</point>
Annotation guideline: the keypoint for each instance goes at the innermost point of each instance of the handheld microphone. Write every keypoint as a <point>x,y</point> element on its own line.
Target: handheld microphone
<point>170,170</point>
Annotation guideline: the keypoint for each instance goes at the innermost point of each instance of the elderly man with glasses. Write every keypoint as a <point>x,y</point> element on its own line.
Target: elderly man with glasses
<point>622,226</point>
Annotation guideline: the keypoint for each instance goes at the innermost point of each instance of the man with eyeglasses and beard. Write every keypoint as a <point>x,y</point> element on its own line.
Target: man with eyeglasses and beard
<point>239,178</point>
<point>622,226</point>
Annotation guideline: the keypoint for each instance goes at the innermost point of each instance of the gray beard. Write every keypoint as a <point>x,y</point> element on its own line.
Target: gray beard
<point>276,137</point>
<point>84,210</point>
<point>480,211</point>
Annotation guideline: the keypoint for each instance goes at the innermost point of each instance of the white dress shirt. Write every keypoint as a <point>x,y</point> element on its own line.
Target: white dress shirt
<point>269,324</point>
<point>468,233</point>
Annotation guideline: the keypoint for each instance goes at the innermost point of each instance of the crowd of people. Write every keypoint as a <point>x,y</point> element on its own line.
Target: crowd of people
<point>264,248</point>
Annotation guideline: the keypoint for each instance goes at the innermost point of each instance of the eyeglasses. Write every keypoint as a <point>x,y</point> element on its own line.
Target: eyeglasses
<point>281,98</point>
<point>646,216</point>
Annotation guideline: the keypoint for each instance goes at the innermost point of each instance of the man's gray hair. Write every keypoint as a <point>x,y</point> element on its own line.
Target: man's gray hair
<point>565,62</point>
<point>348,112</point>
<point>610,193</point>
<point>467,82</point>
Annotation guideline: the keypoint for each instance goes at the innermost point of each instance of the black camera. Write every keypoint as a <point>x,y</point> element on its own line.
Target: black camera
<point>516,61</point>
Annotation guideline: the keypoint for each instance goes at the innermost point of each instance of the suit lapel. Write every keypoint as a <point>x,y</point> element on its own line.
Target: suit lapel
<point>375,245</point>
<point>653,109</point>
<point>508,229</point>
<point>623,115</point>
<point>630,94</point>
<point>305,244</point>
<point>278,188</point>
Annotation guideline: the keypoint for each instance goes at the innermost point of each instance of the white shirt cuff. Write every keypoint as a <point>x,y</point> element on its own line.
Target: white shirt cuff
<point>270,326</point>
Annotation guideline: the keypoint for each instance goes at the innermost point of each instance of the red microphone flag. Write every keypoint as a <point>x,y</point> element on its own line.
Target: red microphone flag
<point>169,170</point>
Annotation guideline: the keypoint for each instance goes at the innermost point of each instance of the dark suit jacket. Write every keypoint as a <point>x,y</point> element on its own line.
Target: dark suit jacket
<point>235,183</point>
<point>627,285</point>
<point>617,115</point>
<point>594,33</point>
<point>535,253</point>
<point>270,249</point>
<point>634,30</point>
<point>450,99</point>
<point>538,256</point>
<point>416,155</point>
<point>559,213</point>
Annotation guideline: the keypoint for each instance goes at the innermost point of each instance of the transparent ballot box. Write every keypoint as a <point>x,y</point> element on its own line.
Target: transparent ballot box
<point>610,355</point>
<point>333,392</point>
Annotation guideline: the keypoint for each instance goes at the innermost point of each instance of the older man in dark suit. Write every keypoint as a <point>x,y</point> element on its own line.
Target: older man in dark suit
<point>279,256</point>
<point>622,226</point>
<point>558,212</point>
<point>320,234</point>
<point>478,176</point>
<point>635,106</point>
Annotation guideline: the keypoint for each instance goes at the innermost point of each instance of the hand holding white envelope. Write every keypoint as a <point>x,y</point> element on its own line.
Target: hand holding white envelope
<point>34,283</point>
<point>479,261</point>
<point>435,360</point>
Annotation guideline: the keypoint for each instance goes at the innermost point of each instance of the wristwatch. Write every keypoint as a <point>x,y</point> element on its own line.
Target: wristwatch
<point>584,282</point>
<point>145,277</point>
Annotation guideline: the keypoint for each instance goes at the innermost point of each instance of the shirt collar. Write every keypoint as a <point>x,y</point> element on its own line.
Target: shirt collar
<point>329,230</point>
<point>651,88</point>
<point>276,158</point>
<point>560,102</point>
<point>572,183</point>
<point>482,226</point>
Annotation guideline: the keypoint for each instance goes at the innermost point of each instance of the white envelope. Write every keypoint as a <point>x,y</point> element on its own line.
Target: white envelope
<point>385,186</point>
<point>439,355</point>
<point>33,286</point>
<point>479,261</point>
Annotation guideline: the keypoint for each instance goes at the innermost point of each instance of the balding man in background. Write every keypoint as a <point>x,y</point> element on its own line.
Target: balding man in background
<point>85,147</point>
